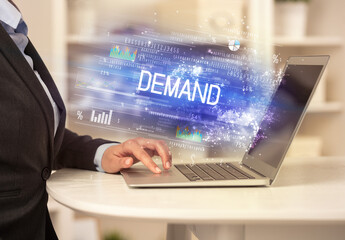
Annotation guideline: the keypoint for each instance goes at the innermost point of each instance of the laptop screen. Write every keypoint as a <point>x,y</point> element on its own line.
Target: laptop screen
<point>283,114</point>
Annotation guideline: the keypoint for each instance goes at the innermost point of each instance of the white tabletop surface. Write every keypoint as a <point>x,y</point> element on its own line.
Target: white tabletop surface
<point>307,190</point>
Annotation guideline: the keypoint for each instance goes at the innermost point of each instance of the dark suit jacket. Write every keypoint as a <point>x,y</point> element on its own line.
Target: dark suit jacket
<point>28,148</point>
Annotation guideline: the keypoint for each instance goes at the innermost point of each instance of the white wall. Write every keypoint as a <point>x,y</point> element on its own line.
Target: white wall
<point>327,18</point>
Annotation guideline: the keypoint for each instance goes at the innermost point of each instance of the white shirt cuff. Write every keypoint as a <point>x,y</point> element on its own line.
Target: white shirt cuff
<point>99,154</point>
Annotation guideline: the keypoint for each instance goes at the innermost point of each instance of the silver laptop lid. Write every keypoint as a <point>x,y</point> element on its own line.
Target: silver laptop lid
<point>284,114</point>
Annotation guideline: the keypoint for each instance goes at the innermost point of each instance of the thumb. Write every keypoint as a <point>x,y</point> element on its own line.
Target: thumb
<point>126,162</point>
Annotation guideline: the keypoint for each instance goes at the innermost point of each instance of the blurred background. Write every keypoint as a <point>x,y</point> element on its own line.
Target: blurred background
<point>61,30</point>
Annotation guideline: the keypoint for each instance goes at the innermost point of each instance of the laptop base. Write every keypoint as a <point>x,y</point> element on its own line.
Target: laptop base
<point>140,176</point>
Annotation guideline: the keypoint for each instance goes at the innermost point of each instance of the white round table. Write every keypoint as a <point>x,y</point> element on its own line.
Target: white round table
<point>306,190</point>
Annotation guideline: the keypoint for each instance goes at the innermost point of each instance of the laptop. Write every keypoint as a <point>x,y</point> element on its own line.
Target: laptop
<point>265,154</point>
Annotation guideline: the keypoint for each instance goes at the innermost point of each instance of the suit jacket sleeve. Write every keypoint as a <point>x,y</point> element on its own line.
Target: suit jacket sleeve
<point>77,151</point>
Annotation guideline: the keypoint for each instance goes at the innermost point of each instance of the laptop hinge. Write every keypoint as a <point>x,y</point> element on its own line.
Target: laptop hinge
<point>252,169</point>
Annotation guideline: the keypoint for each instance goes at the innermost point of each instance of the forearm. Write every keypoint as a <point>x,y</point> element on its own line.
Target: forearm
<point>78,151</point>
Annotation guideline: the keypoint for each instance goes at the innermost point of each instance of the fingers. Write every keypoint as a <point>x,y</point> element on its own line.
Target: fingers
<point>128,153</point>
<point>151,152</point>
<point>159,148</point>
<point>137,150</point>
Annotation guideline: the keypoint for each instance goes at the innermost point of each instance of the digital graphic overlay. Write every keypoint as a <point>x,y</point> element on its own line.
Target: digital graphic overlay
<point>197,91</point>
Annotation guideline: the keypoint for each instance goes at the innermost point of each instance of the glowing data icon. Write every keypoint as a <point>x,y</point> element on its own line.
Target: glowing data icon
<point>103,118</point>
<point>186,134</point>
<point>115,52</point>
<point>234,45</point>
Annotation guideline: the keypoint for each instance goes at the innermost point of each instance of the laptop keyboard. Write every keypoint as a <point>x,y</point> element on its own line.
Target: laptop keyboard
<point>212,171</point>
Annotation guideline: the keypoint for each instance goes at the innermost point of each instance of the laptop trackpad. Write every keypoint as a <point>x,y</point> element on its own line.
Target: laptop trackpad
<point>141,174</point>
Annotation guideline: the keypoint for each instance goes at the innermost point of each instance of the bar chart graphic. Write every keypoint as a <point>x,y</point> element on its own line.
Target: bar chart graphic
<point>101,117</point>
<point>115,52</point>
<point>195,136</point>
